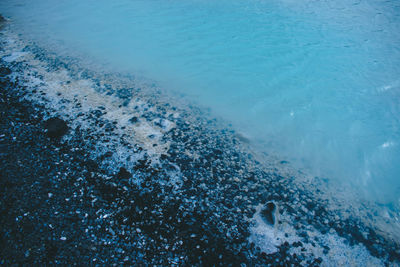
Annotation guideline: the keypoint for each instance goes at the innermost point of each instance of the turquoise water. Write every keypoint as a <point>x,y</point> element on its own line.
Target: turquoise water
<point>315,82</point>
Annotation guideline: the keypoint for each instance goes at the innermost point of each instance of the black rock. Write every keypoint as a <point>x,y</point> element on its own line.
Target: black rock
<point>133,119</point>
<point>318,261</point>
<point>91,165</point>
<point>124,174</point>
<point>297,244</point>
<point>56,127</point>
<point>267,213</point>
<point>3,70</point>
<point>51,250</point>
<point>141,164</point>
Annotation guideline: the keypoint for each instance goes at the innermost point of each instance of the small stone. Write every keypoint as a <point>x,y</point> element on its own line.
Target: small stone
<point>268,213</point>
<point>3,70</point>
<point>63,238</point>
<point>56,127</point>
<point>124,174</point>
<point>133,119</point>
<point>297,244</point>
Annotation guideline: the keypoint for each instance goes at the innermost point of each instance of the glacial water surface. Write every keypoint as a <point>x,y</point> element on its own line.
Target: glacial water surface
<point>315,82</point>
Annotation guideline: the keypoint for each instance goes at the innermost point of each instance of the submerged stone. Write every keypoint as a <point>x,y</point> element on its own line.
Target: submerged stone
<point>2,22</point>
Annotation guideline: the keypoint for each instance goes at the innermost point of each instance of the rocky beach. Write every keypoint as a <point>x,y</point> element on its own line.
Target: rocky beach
<point>97,170</point>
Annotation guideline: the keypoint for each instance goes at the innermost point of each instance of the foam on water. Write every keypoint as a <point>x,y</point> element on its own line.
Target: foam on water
<point>269,238</point>
<point>73,95</point>
<point>13,57</point>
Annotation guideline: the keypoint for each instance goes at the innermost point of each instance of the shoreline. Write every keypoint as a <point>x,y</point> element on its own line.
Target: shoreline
<point>169,189</point>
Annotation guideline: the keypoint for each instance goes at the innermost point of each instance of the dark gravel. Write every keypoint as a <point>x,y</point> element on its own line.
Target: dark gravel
<point>60,205</point>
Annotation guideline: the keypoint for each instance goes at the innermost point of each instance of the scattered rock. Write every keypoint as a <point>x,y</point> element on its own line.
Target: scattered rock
<point>124,174</point>
<point>91,165</point>
<point>56,127</point>
<point>4,70</point>
<point>297,244</point>
<point>134,120</point>
<point>268,213</point>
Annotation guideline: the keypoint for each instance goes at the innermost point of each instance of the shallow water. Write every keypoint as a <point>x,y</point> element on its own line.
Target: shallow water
<point>315,82</point>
